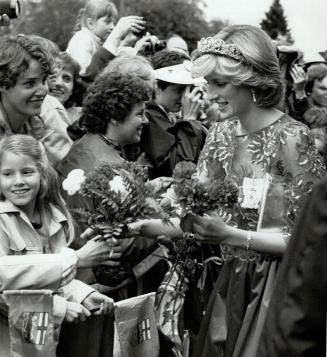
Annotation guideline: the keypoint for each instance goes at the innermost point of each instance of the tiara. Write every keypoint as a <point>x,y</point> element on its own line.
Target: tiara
<point>219,47</point>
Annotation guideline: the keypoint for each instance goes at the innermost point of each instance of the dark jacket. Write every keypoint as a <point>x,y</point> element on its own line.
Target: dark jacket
<point>166,143</point>
<point>296,320</point>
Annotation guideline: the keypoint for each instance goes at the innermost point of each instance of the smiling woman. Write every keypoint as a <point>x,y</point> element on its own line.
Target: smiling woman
<point>23,71</point>
<point>265,153</point>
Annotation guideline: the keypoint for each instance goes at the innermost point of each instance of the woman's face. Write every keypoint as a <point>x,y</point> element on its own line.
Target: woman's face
<point>130,129</point>
<point>232,100</point>
<point>61,84</point>
<point>319,92</point>
<point>26,97</point>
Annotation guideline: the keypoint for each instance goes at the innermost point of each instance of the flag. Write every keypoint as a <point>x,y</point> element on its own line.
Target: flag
<point>136,328</point>
<point>169,303</point>
<point>30,323</point>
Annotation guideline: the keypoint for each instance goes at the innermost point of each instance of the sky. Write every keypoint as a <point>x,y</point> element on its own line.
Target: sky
<point>307,19</point>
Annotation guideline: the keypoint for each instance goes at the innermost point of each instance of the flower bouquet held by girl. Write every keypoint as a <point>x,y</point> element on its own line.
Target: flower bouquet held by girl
<point>119,195</point>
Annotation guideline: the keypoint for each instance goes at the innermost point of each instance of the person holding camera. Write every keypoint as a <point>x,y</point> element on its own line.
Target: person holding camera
<point>167,140</point>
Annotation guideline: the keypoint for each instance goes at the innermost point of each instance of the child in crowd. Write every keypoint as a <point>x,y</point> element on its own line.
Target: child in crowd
<point>65,86</point>
<point>34,220</point>
<point>95,22</point>
<point>25,63</point>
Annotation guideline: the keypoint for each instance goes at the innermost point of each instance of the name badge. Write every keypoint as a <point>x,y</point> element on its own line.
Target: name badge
<point>252,192</point>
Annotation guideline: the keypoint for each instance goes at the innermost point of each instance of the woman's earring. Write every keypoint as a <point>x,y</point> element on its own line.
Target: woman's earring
<point>254,98</point>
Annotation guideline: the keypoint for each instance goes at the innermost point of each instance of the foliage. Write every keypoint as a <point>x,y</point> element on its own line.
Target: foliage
<point>164,18</point>
<point>52,19</point>
<point>119,197</point>
<point>188,196</point>
<point>275,23</point>
<point>193,196</point>
<point>55,19</point>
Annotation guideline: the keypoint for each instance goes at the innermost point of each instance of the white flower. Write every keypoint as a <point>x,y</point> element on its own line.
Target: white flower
<point>117,185</point>
<point>171,197</point>
<point>73,181</point>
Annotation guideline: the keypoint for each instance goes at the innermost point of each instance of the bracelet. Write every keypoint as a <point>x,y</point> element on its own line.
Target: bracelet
<point>249,239</point>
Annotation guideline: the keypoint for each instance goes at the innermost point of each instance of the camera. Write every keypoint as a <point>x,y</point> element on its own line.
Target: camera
<point>158,46</point>
<point>10,8</point>
<point>201,90</point>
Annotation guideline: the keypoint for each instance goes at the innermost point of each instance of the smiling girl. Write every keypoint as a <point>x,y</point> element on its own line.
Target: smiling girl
<point>34,220</point>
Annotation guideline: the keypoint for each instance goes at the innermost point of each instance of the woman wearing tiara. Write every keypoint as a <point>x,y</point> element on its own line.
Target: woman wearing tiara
<point>267,154</point>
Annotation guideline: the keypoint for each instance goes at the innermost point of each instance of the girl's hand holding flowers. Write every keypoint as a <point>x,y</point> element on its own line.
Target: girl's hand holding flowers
<point>99,252</point>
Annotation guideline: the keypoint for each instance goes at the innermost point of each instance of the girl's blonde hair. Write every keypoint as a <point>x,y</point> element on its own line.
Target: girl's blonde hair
<point>95,9</point>
<point>49,189</point>
<point>259,70</point>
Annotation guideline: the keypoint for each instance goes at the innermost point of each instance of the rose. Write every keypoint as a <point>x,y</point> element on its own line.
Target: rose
<point>117,185</point>
<point>73,182</point>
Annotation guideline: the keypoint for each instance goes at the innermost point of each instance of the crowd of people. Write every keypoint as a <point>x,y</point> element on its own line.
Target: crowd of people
<point>243,108</point>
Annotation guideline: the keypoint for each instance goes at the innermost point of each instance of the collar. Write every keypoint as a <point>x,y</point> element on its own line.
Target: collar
<point>27,128</point>
<point>55,222</point>
<point>97,39</point>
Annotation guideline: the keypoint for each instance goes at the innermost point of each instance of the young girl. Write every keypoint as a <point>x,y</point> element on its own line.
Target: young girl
<point>35,220</point>
<point>95,22</point>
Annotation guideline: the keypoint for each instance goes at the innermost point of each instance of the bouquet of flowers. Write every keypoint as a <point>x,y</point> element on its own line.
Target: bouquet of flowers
<point>188,195</point>
<point>116,195</point>
<point>119,196</point>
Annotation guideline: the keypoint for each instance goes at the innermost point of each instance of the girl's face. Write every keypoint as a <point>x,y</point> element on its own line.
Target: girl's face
<point>130,129</point>
<point>20,180</point>
<point>232,100</point>
<point>26,97</point>
<point>61,84</point>
<point>319,92</point>
<point>102,27</point>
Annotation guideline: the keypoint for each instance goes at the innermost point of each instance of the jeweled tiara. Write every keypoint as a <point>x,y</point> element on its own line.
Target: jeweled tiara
<point>219,47</point>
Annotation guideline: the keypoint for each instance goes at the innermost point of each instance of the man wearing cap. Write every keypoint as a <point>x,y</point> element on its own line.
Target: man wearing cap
<point>167,140</point>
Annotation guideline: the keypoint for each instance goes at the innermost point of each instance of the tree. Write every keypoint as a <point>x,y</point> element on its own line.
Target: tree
<point>183,17</point>
<point>52,19</point>
<point>275,23</point>
<point>55,19</point>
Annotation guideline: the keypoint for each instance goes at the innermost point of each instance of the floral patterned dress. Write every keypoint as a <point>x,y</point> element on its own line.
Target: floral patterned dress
<point>285,150</point>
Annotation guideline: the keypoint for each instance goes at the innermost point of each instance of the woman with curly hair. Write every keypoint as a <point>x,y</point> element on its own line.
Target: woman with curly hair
<point>25,64</point>
<point>113,116</point>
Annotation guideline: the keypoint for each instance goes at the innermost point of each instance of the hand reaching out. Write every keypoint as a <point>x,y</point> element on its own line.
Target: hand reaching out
<point>99,303</point>
<point>99,252</point>
<point>76,312</point>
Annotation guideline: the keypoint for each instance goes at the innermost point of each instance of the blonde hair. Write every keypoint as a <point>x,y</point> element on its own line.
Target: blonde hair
<point>49,189</point>
<point>95,9</point>
<point>259,70</point>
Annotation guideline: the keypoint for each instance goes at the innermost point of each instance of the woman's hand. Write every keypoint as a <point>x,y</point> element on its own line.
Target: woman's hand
<point>99,252</point>
<point>76,312</point>
<point>99,304</point>
<point>300,79</point>
<point>209,228</point>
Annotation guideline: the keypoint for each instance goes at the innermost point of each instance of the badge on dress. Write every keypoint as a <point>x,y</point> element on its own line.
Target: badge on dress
<point>253,189</point>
